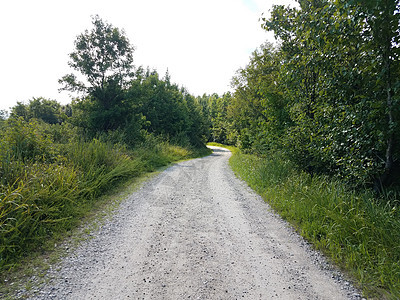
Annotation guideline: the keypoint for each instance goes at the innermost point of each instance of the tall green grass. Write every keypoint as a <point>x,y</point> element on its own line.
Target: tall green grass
<point>47,186</point>
<point>356,230</point>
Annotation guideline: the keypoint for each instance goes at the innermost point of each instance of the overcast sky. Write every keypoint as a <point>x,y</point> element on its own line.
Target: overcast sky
<point>201,42</point>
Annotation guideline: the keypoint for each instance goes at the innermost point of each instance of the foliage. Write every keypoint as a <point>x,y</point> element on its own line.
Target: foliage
<point>337,80</point>
<point>23,141</point>
<point>94,120</point>
<point>168,110</point>
<point>220,125</point>
<point>56,161</point>
<point>103,56</point>
<point>326,96</point>
<point>48,182</point>
<point>3,115</point>
<point>49,111</point>
<point>123,104</point>
<point>161,103</point>
<point>358,232</point>
<point>258,108</point>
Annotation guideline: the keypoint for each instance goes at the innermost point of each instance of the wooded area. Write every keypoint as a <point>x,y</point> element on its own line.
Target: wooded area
<point>327,95</point>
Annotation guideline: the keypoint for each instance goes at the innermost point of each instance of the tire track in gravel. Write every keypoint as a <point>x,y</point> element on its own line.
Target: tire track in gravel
<point>195,232</point>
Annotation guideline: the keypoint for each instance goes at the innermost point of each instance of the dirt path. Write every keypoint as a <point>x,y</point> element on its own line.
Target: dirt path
<point>195,232</point>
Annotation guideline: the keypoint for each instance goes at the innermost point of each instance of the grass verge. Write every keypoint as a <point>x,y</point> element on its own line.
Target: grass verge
<point>29,273</point>
<point>43,200</point>
<point>359,233</point>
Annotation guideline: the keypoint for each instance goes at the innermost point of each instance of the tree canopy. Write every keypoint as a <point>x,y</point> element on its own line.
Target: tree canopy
<point>49,111</point>
<point>103,56</point>
<point>328,94</point>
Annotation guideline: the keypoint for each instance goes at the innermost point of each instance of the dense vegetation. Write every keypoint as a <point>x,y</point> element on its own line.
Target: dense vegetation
<point>353,228</point>
<point>316,118</point>
<point>56,160</point>
<point>328,95</point>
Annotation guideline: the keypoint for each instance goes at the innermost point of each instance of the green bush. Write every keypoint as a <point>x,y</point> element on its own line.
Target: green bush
<point>25,141</point>
<point>51,177</point>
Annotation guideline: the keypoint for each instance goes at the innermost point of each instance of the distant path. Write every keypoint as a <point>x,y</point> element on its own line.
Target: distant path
<point>195,232</point>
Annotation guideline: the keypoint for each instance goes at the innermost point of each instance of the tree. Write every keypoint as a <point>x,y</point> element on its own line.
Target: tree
<point>3,115</point>
<point>168,110</point>
<point>258,108</point>
<point>161,102</point>
<point>219,121</point>
<point>49,111</point>
<point>198,129</point>
<point>20,110</point>
<point>104,57</point>
<point>382,29</point>
<point>339,70</point>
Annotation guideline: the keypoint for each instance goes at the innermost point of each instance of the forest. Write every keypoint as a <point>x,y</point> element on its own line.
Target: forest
<point>313,120</point>
<point>327,95</point>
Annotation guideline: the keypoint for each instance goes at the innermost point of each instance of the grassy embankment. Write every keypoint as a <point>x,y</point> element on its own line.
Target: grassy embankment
<point>357,231</point>
<point>50,179</point>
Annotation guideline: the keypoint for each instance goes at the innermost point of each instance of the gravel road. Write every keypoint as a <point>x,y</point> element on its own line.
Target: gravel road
<point>195,232</point>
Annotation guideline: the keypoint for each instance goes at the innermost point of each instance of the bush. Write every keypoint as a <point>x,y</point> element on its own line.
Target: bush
<point>25,141</point>
<point>50,178</point>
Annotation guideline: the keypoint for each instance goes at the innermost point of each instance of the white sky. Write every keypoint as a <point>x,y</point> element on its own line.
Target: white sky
<point>201,42</point>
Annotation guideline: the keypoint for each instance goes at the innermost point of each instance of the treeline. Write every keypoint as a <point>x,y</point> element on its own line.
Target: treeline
<point>57,160</point>
<point>148,105</point>
<point>327,95</point>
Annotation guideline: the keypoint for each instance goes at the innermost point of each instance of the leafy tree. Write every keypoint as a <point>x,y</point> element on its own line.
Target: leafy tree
<point>168,110</point>
<point>49,111</point>
<point>258,108</point>
<point>104,57</point>
<point>3,118</point>
<point>3,115</point>
<point>220,124</point>
<point>161,103</point>
<point>20,110</point>
<point>339,60</point>
<point>327,96</point>
<point>382,30</point>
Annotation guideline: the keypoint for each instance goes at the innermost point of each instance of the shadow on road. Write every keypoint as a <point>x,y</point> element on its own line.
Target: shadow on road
<point>218,151</point>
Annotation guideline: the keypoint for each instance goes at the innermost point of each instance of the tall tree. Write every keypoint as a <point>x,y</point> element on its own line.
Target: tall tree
<point>102,55</point>
<point>339,69</point>
<point>258,108</point>
<point>382,29</point>
<point>104,58</point>
<point>49,111</point>
<point>161,102</point>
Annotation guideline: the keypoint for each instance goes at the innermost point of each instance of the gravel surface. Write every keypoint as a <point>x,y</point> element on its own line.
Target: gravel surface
<point>195,232</point>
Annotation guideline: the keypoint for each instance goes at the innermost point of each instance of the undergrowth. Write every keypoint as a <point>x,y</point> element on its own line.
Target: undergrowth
<point>50,179</point>
<point>359,232</point>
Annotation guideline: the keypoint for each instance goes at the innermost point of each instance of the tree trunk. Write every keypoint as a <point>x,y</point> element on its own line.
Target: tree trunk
<point>384,179</point>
